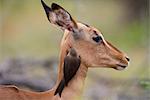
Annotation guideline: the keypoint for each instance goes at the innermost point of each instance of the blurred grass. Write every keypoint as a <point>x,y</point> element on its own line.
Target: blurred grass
<point>145,84</point>
<point>26,32</point>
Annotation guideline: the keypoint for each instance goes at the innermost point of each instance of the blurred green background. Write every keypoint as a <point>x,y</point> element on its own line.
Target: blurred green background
<point>26,32</point>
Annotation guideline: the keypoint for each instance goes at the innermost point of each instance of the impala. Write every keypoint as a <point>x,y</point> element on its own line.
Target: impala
<point>82,47</point>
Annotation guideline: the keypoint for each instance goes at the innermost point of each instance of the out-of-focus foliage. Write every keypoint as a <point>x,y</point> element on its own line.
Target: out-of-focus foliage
<point>26,32</point>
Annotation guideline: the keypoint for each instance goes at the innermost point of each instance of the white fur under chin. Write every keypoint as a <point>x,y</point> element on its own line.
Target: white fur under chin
<point>120,68</point>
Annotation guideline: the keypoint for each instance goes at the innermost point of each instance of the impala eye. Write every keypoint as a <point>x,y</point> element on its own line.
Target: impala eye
<point>97,39</point>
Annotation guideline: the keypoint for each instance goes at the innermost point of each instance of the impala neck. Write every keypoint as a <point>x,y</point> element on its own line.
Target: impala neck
<point>75,86</point>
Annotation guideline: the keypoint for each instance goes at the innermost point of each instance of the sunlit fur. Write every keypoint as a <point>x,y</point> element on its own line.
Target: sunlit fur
<point>92,54</point>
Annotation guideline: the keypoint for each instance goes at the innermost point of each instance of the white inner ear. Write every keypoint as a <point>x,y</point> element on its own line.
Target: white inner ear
<point>63,18</point>
<point>63,15</point>
<point>60,16</point>
<point>52,17</point>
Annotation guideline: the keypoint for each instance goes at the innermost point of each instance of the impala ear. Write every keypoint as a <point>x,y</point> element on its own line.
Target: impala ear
<point>59,16</point>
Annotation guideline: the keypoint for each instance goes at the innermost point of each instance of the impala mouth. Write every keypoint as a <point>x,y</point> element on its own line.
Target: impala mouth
<point>120,67</point>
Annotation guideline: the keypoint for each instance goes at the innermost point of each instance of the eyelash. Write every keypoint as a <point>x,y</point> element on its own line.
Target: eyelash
<point>97,39</point>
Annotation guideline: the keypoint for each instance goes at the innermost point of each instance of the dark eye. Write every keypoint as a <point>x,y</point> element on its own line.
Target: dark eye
<point>97,39</point>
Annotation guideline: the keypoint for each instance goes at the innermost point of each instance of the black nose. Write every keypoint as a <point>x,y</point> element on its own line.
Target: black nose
<point>127,59</point>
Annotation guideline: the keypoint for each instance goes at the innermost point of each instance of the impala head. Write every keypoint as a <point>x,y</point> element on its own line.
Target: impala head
<point>89,42</point>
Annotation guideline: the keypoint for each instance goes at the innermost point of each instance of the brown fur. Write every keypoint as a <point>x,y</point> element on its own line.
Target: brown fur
<point>102,54</point>
<point>75,86</point>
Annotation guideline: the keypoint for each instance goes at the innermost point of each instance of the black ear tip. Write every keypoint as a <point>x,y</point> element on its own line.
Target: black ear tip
<point>41,0</point>
<point>55,6</point>
<point>46,8</point>
<point>43,3</point>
